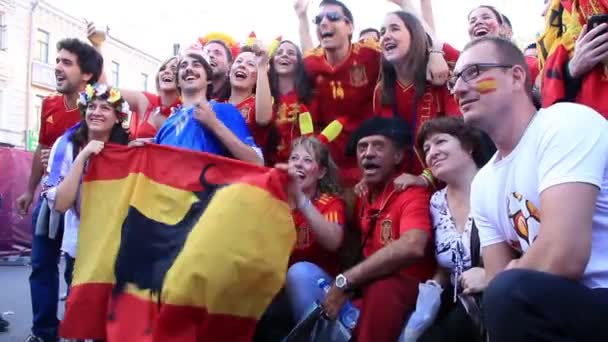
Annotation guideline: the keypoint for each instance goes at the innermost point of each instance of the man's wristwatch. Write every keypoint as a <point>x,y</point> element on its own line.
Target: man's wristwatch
<point>342,283</point>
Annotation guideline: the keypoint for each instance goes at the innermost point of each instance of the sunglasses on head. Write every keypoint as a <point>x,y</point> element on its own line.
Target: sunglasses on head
<point>331,16</point>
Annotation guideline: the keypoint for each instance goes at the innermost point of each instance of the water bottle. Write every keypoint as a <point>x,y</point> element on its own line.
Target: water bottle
<point>349,314</point>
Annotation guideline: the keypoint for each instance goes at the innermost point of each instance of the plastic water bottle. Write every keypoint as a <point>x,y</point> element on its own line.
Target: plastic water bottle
<point>349,314</point>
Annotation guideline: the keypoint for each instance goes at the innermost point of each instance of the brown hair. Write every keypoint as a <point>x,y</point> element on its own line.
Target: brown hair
<point>416,60</point>
<point>329,183</point>
<point>470,138</point>
<point>161,67</point>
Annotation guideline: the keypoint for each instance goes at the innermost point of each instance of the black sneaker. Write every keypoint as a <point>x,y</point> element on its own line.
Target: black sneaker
<point>33,338</point>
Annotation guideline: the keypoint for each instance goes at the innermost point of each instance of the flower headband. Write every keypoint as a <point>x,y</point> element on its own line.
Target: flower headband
<point>106,93</point>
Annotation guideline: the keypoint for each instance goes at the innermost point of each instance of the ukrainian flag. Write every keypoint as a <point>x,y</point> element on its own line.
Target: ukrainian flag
<point>176,245</point>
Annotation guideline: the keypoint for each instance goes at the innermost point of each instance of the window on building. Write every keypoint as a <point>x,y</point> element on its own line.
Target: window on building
<point>37,110</point>
<point>3,34</point>
<point>144,81</point>
<point>42,46</point>
<point>115,71</point>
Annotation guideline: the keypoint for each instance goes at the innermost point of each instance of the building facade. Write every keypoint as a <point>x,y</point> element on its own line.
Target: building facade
<point>29,32</point>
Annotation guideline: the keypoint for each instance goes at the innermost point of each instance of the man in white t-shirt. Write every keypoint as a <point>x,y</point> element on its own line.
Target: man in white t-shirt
<point>540,204</point>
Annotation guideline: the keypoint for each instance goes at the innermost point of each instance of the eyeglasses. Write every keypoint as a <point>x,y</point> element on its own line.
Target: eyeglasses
<point>472,71</point>
<point>331,16</point>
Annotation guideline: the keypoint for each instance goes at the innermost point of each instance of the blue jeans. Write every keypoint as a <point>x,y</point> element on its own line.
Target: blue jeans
<point>302,289</point>
<point>44,281</point>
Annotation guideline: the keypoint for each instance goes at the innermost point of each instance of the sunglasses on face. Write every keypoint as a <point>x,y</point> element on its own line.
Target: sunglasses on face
<point>473,71</point>
<point>331,16</point>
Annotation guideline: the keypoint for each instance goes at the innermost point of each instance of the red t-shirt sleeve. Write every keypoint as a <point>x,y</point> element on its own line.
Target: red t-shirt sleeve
<point>451,54</point>
<point>415,213</point>
<point>334,212</point>
<point>533,66</point>
<point>43,138</point>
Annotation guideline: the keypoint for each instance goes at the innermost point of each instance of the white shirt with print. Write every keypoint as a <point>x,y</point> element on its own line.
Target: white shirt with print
<point>564,143</point>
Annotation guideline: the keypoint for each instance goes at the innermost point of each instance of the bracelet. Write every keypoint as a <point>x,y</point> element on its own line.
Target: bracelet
<point>436,51</point>
<point>306,203</point>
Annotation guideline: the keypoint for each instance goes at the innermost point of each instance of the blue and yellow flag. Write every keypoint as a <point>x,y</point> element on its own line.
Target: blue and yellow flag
<point>176,245</point>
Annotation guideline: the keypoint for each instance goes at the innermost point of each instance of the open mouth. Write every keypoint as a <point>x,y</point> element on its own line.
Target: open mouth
<point>240,75</point>
<point>326,35</point>
<point>166,78</point>
<point>284,62</point>
<point>300,174</point>
<point>466,102</point>
<point>96,119</point>
<point>480,31</point>
<point>212,64</point>
<point>370,167</point>
<point>60,78</point>
<point>389,46</point>
<point>189,77</point>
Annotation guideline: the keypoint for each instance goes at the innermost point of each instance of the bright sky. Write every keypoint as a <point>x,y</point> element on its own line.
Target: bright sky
<point>155,27</point>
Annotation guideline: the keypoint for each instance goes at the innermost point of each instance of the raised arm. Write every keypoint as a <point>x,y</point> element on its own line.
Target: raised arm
<point>136,99</point>
<point>263,97</point>
<point>301,6</point>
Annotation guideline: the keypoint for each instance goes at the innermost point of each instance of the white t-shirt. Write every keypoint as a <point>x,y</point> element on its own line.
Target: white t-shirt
<point>452,248</point>
<point>564,143</point>
<point>71,218</point>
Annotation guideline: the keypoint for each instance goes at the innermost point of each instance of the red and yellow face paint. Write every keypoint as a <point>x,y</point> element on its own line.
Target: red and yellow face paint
<point>486,85</point>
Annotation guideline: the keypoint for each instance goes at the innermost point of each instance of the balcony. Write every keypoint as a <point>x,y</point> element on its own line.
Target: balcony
<point>43,75</point>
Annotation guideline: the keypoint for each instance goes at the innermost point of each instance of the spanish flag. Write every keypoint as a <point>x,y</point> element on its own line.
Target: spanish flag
<point>176,245</point>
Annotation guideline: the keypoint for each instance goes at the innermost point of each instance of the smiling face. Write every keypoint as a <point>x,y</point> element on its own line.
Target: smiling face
<point>378,157</point>
<point>307,167</point>
<point>217,57</point>
<point>482,22</point>
<point>334,30</point>
<point>285,60</point>
<point>445,155</point>
<point>191,76</point>
<point>244,72</point>
<point>396,39</point>
<point>100,117</point>
<point>68,75</point>
<point>167,75</point>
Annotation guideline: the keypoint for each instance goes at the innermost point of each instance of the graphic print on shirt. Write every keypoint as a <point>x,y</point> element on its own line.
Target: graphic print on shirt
<point>303,237</point>
<point>525,218</point>
<point>181,123</point>
<point>386,233</point>
<point>245,112</point>
<point>358,77</point>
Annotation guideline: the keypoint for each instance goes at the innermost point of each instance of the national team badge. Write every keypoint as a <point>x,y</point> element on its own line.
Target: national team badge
<point>386,231</point>
<point>358,76</point>
<point>245,113</point>
<point>303,237</point>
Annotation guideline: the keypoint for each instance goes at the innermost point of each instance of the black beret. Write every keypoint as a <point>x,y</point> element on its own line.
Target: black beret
<point>395,129</point>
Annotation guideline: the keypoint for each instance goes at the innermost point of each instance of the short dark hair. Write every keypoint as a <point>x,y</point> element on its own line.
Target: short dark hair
<point>469,137</point>
<point>368,30</point>
<point>506,21</point>
<point>90,60</point>
<point>347,13</point>
<point>507,53</point>
<point>229,55</point>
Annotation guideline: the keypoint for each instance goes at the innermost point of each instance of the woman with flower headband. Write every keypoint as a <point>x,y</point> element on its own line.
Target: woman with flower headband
<point>151,110</point>
<point>104,112</point>
<point>250,90</point>
<point>292,92</point>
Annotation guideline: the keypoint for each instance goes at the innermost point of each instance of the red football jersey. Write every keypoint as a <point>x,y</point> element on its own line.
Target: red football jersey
<point>307,248</point>
<point>143,128</point>
<point>391,215</point>
<point>247,109</point>
<point>287,125</point>
<point>436,101</point>
<point>55,119</point>
<point>345,90</point>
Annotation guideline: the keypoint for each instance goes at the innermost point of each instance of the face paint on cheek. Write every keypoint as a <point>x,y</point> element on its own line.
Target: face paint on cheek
<point>486,85</point>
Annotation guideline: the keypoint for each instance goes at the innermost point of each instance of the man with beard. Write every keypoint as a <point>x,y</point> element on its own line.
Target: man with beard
<point>77,64</point>
<point>395,233</point>
<point>206,126</point>
<point>219,57</point>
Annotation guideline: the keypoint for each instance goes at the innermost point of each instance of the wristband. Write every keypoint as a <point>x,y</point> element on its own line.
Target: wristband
<point>437,51</point>
<point>305,204</point>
